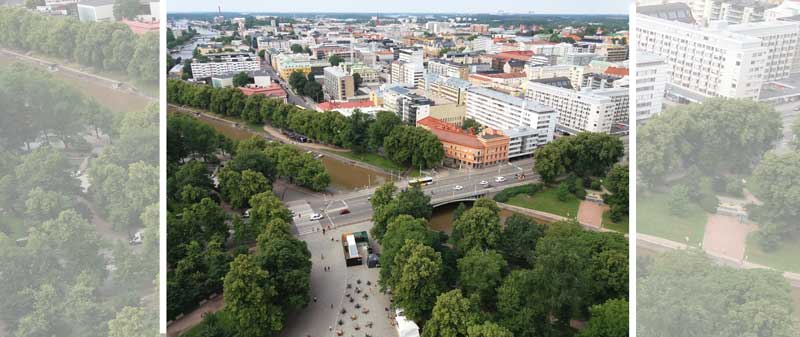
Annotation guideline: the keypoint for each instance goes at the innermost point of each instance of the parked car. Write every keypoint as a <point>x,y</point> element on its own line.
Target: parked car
<point>316,216</point>
<point>137,238</point>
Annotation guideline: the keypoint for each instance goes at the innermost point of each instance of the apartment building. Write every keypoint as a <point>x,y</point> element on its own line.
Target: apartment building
<point>406,104</point>
<point>220,64</point>
<point>96,11</point>
<point>535,72</point>
<point>584,110</point>
<point>286,64</point>
<point>411,55</point>
<point>652,73</point>
<point>527,124</point>
<point>450,88</point>
<point>735,11</point>
<point>448,68</point>
<point>338,84</point>
<point>406,73</point>
<point>705,62</point>
<point>612,52</point>
<point>779,37</point>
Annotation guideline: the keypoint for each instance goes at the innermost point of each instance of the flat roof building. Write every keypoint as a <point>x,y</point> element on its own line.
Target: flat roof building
<point>338,84</point>
<point>528,124</point>
<point>584,110</point>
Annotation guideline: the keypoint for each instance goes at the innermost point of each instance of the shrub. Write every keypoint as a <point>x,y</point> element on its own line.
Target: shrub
<point>563,191</point>
<point>734,186</point>
<point>580,193</point>
<point>596,185</point>
<point>709,203</point>
<point>616,213</point>
<point>678,199</point>
<point>506,194</point>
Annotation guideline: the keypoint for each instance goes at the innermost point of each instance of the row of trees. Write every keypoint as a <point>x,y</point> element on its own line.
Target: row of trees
<point>185,36</point>
<point>198,230</point>
<point>498,281</point>
<point>360,132</point>
<point>53,258</point>
<point>685,293</point>
<point>103,46</point>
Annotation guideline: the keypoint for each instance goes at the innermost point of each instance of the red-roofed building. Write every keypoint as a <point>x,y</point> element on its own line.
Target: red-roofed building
<point>500,59</point>
<point>347,108</point>
<point>464,148</point>
<point>140,28</point>
<point>272,91</point>
<point>616,71</point>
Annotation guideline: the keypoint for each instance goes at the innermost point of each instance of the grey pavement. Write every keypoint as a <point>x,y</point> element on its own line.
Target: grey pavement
<point>788,115</point>
<point>330,288</point>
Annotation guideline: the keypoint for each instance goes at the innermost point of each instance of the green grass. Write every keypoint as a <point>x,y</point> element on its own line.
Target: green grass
<point>225,321</point>
<point>785,258</point>
<point>12,226</point>
<point>621,226</point>
<point>547,201</point>
<point>372,159</point>
<point>654,218</point>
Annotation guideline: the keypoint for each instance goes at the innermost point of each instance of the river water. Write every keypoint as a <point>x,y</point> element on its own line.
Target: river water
<point>344,176</point>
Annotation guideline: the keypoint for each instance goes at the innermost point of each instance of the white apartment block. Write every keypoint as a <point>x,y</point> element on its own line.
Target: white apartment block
<point>706,62</point>
<point>338,84</point>
<point>734,11</point>
<point>781,40</point>
<point>414,56</point>
<point>448,68</point>
<point>585,110</point>
<point>224,64</point>
<point>528,124</point>
<point>652,73</point>
<point>408,74</point>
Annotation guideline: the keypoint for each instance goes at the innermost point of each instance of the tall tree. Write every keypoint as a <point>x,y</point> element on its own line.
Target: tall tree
<point>250,299</point>
<point>451,317</point>
<point>480,273</point>
<point>418,271</point>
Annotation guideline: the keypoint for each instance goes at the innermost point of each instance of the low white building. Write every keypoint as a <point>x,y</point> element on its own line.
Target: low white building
<point>219,64</point>
<point>96,10</point>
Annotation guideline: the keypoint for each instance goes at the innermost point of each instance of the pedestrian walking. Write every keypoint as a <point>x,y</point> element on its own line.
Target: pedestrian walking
<point>315,299</point>
<point>323,231</point>
<point>331,305</point>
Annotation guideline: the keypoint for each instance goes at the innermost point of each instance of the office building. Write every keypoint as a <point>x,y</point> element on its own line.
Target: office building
<point>705,62</point>
<point>221,64</point>
<point>406,104</point>
<point>338,84</point>
<point>462,149</point>
<point>448,68</point>
<point>450,88</point>
<point>652,73</point>
<point>584,110</point>
<point>528,124</point>
<point>406,73</point>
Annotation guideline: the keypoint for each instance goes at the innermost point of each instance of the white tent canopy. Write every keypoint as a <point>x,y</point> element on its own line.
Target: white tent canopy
<point>405,327</point>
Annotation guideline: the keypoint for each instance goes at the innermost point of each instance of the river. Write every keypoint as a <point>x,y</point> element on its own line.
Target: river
<point>344,176</point>
<point>442,218</point>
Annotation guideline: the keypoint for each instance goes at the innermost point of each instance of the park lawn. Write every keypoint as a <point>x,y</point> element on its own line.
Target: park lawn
<point>621,226</point>
<point>547,201</point>
<point>785,258</point>
<point>796,298</point>
<point>654,218</point>
<point>12,226</point>
<point>224,319</point>
<point>372,159</point>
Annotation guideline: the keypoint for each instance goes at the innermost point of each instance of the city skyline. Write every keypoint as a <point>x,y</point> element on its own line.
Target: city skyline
<point>471,7</point>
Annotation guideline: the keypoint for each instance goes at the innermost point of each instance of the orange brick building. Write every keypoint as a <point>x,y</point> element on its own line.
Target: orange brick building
<point>488,148</point>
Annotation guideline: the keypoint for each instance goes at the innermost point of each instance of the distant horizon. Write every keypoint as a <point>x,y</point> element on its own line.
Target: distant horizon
<point>563,7</point>
<point>394,13</point>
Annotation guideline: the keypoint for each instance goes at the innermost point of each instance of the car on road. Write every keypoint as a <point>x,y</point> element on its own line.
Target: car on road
<point>484,182</point>
<point>316,216</point>
<point>797,108</point>
<point>458,187</point>
<point>344,211</point>
<point>499,179</point>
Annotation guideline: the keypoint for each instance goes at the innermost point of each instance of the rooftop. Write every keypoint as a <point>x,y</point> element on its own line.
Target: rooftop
<point>449,133</point>
<point>529,105</point>
<point>617,71</point>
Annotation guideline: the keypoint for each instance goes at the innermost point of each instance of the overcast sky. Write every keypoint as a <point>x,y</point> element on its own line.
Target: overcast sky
<point>405,6</point>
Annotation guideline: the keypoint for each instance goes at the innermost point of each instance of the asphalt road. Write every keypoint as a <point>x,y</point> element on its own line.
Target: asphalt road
<point>358,205</point>
<point>788,115</point>
<point>291,97</point>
